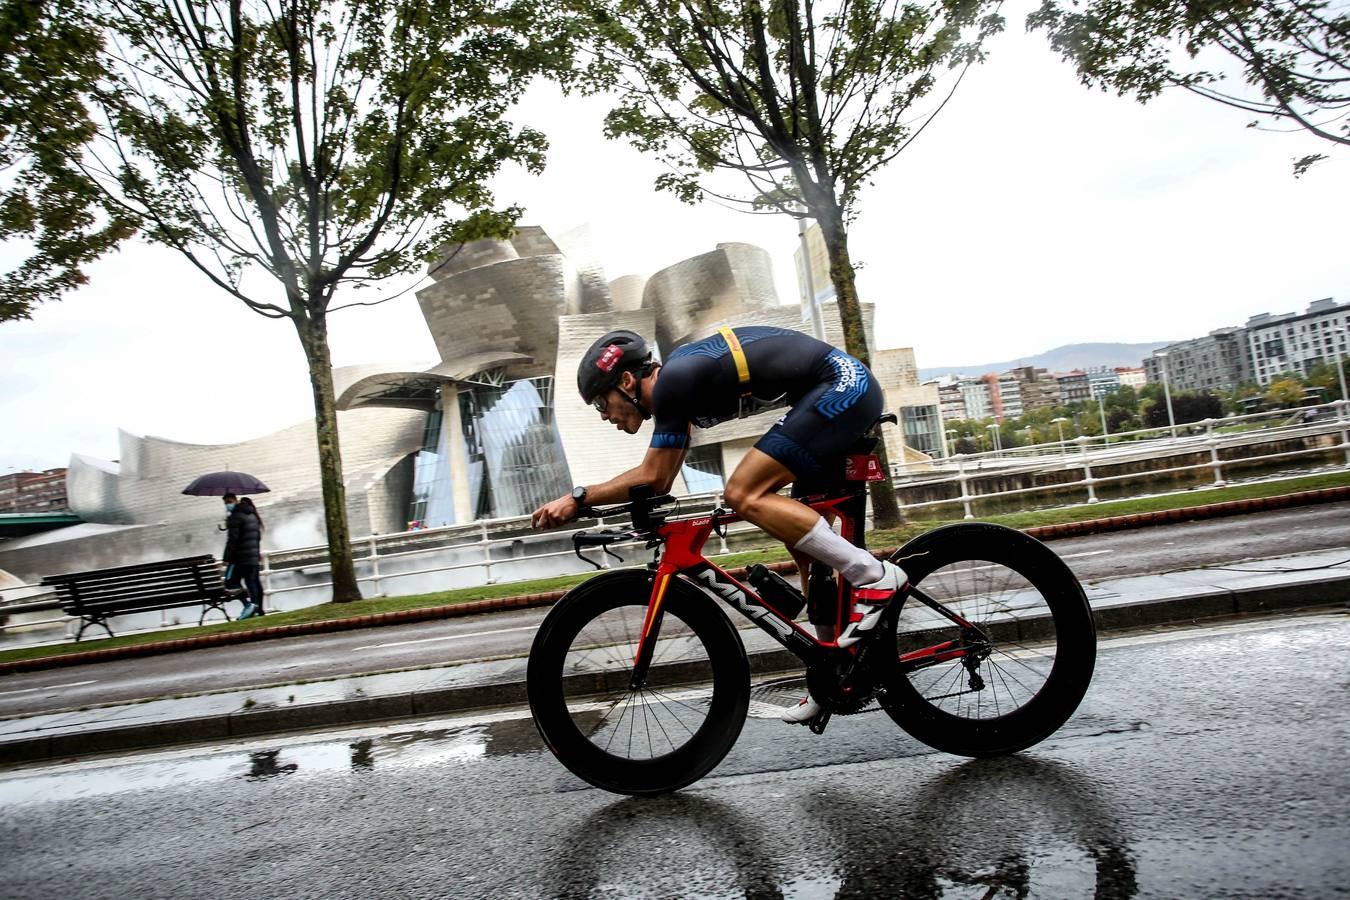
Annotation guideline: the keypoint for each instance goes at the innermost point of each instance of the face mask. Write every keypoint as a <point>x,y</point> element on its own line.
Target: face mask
<point>229,507</point>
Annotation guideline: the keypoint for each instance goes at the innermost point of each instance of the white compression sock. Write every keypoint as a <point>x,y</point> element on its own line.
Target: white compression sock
<point>854,563</point>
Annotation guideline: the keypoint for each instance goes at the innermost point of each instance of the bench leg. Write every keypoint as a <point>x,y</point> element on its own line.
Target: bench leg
<point>85,623</point>
<point>218,604</point>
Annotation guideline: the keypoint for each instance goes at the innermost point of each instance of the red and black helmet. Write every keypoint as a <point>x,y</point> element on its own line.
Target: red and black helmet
<point>608,358</point>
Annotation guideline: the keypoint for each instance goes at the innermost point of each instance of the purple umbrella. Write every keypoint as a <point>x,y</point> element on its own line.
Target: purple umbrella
<point>218,484</point>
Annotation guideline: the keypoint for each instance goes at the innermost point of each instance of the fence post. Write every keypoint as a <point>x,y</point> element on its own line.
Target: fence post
<point>487,553</point>
<point>265,576</point>
<point>1343,416</point>
<point>375,565</point>
<point>1087,468</point>
<point>722,537</point>
<point>963,484</point>
<point>1215,461</point>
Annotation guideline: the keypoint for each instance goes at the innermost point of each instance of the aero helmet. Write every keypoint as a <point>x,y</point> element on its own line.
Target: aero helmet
<point>608,358</point>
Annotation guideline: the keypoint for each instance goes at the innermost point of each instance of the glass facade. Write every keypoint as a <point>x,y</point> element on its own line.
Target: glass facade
<point>923,429</point>
<point>511,452</point>
<point>702,470</point>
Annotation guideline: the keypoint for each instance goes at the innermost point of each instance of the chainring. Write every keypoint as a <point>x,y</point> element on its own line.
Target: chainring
<point>843,694</point>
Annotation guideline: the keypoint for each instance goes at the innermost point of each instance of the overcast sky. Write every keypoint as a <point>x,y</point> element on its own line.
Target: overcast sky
<point>1033,213</point>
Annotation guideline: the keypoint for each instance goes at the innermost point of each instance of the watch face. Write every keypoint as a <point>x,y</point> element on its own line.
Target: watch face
<point>578,494</point>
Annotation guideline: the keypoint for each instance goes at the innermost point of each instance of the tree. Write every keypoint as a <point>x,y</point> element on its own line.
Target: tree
<point>1294,54</point>
<point>807,102</point>
<point>1284,393</point>
<point>49,52</point>
<point>1187,407</point>
<point>315,145</point>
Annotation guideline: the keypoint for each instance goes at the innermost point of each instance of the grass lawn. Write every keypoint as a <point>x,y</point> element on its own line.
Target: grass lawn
<point>776,553</point>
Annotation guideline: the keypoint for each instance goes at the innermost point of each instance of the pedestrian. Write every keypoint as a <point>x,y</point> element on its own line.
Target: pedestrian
<point>243,552</point>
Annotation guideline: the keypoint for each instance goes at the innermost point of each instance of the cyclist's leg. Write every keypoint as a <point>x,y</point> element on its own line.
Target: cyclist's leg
<point>752,491</point>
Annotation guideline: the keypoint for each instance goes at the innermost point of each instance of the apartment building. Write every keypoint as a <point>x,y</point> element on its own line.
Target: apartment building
<point>1296,342</point>
<point>1219,361</point>
<point>1037,389</point>
<point>1074,387</point>
<point>33,491</point>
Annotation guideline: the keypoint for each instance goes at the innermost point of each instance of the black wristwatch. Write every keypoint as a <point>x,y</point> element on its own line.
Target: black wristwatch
<point>579,495</point>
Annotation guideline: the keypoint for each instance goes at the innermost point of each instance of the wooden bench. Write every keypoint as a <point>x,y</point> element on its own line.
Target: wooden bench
<point>98,595</point>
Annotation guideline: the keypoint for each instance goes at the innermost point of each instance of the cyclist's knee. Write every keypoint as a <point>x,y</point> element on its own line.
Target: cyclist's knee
<point>745,500</point>
<point>738,496</point>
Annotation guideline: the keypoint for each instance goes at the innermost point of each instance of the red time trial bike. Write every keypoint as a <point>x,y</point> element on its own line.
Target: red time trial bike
<point>639,683</point>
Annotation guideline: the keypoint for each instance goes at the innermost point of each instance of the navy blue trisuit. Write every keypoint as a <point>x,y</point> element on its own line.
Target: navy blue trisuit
<point>833,397</point>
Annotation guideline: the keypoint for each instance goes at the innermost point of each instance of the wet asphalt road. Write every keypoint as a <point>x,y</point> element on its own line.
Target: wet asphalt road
<point>1157,549</point>
<point>1205,762</point>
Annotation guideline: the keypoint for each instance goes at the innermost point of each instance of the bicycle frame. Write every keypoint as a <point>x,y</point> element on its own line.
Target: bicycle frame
<point>683,556</point>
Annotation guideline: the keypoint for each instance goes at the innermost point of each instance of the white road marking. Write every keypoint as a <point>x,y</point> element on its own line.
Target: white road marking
<point>1085,553</point>
<point>50,687</point>
<point>449,637</point>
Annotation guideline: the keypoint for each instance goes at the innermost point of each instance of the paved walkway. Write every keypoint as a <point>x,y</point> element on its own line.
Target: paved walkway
<point>1308,580</point>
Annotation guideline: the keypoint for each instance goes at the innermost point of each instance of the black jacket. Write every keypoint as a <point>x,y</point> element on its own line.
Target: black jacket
<point>243,546</point>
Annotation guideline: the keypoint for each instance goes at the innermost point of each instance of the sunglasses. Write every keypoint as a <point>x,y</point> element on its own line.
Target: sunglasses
<point>601,404</point>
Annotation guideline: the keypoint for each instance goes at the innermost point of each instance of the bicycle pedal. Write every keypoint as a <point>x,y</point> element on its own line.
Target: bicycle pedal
<point>817,725</point>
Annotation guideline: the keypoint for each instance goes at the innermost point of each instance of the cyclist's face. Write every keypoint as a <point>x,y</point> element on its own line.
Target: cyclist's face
<point>618,409</point>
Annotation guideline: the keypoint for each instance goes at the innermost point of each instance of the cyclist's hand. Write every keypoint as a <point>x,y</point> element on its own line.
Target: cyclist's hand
<point>559,512</point>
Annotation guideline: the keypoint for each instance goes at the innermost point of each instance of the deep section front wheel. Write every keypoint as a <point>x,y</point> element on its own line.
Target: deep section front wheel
<point>649,738</point>
<point>1014,679</point>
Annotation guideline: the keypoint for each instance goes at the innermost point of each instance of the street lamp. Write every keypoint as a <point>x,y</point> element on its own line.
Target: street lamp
<point>1340,358</point>
<point>1028,431</point>
<point>1167,392</point>
<point>998,442</point>
<point>1101,408</point>
<point>1059,423</point>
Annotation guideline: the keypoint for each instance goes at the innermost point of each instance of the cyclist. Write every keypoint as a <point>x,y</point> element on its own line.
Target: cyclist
<point>833,400</point>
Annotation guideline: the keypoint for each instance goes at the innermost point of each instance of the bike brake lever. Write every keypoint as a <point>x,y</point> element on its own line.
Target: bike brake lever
<point>576,548</point>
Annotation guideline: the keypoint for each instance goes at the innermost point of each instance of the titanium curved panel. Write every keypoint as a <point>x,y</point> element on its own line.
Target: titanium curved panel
<point>92,491</point>
<point>626,292</point>
<point>511,306</point>
<point>722,285</point>
<point>471,256</point>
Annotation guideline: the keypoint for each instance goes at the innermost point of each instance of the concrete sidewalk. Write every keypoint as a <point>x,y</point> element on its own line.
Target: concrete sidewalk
<point>1309,580</point>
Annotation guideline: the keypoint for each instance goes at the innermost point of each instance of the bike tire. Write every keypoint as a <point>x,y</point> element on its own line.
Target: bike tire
<point>579,692</point>
<point>1044,641</point>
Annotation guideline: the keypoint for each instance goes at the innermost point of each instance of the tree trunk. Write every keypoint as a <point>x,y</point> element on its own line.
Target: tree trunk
<point>314,338</point>
<point>885,507</point>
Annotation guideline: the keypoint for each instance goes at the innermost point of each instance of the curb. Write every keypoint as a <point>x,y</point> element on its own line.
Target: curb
<point>525,601</point>
<point>1217,603</point>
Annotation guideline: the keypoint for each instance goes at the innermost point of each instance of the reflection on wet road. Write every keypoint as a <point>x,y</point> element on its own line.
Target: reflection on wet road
<point>1205,762</point>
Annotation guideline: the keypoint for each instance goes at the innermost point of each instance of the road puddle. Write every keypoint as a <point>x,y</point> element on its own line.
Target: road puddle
<point>458,742</point>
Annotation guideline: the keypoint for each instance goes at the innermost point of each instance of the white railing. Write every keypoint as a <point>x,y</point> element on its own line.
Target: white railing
<point>1084,453</point>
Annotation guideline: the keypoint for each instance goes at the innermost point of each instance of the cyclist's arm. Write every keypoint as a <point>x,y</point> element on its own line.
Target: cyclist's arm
<point>658,468</point>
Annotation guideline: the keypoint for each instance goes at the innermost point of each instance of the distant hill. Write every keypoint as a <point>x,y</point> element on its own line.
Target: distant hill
<point>1060,359</point>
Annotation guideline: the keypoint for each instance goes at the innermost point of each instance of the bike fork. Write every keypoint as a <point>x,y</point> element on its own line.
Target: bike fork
<point>651,630</point>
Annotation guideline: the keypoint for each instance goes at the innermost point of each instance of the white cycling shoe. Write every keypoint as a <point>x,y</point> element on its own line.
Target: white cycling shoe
<point>869,601</point>
<point>803,712</point>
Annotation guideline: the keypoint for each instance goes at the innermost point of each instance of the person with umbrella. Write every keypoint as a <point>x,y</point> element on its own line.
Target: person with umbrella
<point>243,547</point>
<point>243,551</point>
